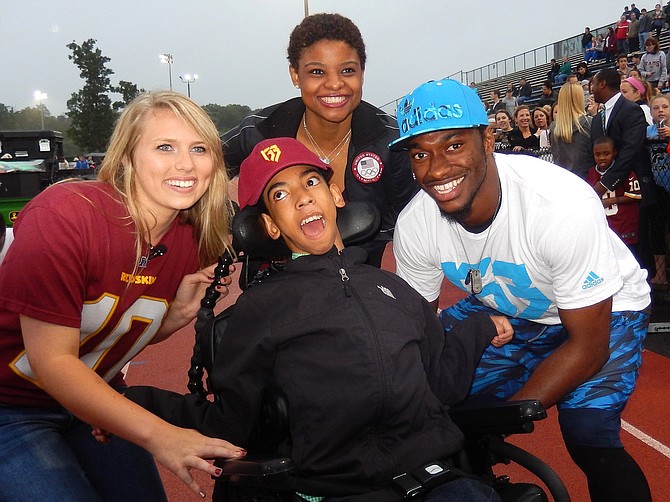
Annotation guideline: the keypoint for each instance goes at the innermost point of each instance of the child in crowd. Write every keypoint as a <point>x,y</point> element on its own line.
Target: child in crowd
<point>622,204</point>
<point>660,130</point>
<point>363,360</point>
<point>657,141</point>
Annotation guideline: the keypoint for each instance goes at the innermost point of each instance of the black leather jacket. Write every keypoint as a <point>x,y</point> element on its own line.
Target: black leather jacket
<point>373,174</point>
<point>363,360</point>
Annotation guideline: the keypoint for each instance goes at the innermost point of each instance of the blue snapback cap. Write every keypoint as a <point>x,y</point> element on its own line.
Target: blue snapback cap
<point>435,106</point>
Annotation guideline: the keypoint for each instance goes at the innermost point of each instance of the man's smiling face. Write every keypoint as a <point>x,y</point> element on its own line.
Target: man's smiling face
<point>451,166</point>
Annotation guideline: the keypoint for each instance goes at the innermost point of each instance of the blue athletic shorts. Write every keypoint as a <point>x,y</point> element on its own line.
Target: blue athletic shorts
<point>503,371</point>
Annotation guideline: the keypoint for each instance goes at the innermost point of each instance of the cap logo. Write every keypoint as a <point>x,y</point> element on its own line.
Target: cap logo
<point>271,153</point>
<point>407,106</point>
<point>418,116</point>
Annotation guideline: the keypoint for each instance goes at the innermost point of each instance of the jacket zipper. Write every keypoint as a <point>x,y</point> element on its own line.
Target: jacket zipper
<point>350,291</point>
<point>345,280</point>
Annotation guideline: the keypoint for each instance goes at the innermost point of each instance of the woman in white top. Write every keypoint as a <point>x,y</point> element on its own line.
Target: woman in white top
<point>541,122</point>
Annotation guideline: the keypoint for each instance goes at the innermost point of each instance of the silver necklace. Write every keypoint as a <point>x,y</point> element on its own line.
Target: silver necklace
<point>474,276</point>
<point>326,159</point>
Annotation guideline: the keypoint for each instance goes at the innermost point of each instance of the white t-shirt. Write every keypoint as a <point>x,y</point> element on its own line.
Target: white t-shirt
<point>549,247</point>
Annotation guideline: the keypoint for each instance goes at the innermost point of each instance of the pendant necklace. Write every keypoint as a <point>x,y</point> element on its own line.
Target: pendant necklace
<point>326,159</point>
<point>474,276</point>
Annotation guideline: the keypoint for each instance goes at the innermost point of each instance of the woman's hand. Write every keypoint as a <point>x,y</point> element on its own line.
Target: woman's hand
<point>181,450</point>
<point>101,435</point>
<point>187,300</point>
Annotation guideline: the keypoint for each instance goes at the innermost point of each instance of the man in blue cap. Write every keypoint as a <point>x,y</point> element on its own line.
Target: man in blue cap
<point>528,240</point>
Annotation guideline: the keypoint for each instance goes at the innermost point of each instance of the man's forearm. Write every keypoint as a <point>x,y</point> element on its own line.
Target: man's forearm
<point>561,373</point>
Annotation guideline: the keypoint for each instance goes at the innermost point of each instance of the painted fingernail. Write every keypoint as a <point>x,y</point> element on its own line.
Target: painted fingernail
<point>218,472</point>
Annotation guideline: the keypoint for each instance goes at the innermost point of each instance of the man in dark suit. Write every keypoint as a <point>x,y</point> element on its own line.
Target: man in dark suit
<point>625,123</point>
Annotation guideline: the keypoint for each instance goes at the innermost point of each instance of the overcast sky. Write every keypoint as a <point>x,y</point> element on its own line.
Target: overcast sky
<point>238,47</point>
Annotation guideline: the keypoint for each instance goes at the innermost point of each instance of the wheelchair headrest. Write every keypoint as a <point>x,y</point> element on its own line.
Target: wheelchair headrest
<point>358,221</point>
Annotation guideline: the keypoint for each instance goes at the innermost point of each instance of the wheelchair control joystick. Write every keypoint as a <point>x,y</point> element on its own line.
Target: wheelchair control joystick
<point>205,314</point>
<point>211,294</point>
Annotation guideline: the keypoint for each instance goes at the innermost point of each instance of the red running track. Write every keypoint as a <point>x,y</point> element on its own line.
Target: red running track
<point>165,365</point>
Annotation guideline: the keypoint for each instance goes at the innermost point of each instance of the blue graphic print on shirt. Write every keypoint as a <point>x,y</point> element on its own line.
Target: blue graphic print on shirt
<point>511,286</point>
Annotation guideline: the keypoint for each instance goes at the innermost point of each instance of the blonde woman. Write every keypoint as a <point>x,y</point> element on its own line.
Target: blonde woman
<point>570,132</point>
<point>98,270</point>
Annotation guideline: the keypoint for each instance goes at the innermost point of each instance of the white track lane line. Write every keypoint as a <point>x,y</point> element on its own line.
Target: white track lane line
<point>648,440</point>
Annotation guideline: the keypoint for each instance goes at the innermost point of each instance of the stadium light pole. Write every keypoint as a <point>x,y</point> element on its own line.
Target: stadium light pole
<point>168,60</point>
<point>188,80</point>
<point>39,97</point>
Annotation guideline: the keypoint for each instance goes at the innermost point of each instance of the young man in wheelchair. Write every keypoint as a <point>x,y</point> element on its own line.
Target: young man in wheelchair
<point>363,361</point>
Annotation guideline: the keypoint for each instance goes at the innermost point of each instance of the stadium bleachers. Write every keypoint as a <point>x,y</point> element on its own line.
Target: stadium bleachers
<point>538,74</point>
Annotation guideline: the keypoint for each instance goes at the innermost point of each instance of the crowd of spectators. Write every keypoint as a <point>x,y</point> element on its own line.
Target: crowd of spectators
<point>621,47</point>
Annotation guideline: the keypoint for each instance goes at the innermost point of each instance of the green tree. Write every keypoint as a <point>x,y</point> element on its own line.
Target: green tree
<point>226,117</point>
<point>90,109</point>
<point>30,118</point>
<point>7,117</point>
<point>128,91</point>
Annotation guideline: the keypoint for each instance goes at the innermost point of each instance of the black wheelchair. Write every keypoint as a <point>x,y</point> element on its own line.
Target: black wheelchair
<point>267,477</point>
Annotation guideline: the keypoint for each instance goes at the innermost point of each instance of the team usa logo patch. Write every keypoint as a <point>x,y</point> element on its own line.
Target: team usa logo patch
<point>367,167</point>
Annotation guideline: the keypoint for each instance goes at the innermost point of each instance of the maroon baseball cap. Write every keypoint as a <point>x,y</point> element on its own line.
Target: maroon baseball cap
<point>268,158</point>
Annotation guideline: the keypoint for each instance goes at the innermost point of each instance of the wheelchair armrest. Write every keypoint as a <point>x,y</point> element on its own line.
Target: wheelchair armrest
<point>252,471</point>
<point>510,417</point>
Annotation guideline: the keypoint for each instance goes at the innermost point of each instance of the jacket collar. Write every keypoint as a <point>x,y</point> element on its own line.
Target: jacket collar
<point>350,256</point>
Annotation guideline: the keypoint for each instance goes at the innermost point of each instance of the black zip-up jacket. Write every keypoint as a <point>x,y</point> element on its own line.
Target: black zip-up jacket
<point>374,173</point>
<point>363,360</point>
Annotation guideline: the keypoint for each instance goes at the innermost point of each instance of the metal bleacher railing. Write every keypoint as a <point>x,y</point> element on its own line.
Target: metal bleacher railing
<point>531,65</point>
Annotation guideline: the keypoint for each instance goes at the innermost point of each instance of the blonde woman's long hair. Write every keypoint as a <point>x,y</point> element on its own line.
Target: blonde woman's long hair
<point>570,108</point>
<point>211,215</point>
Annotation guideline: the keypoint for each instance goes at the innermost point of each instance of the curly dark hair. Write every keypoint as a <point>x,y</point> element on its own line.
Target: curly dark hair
<point>324,26</point>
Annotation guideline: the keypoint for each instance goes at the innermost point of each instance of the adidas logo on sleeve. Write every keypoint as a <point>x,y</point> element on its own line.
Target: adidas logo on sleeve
<point>592,280</point>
